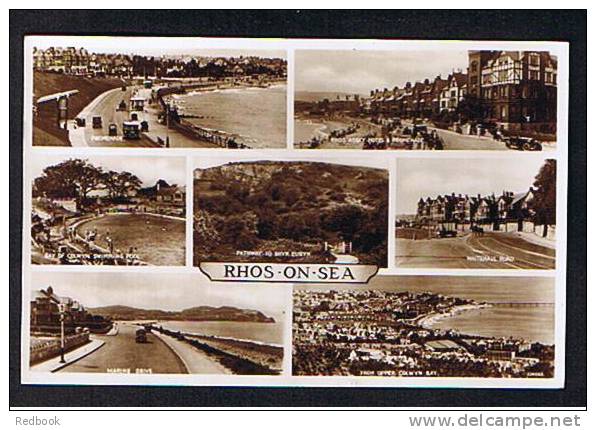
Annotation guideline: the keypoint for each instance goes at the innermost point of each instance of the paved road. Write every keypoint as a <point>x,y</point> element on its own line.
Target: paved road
<point>121,353</point>
<point>494,250</point>
<point>195,360</point>
<point>109,114</point>
<point>106,106</point>
<point>455,141</point>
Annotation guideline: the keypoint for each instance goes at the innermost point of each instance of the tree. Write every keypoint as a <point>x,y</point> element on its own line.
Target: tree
<point>545,194</point>
<point>71,178</point>
<point>344,219</point>
<point>120,183</point>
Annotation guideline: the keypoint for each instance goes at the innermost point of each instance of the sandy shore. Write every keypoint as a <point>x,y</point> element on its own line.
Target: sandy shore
<point>429,320</point>
<point>321,128</point>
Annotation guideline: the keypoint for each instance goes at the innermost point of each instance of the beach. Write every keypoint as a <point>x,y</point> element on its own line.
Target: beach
<point>254,116</point>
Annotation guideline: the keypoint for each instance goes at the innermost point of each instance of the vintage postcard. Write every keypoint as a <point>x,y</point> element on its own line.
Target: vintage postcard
<point>491,214</point>
<point>158,250</point>
<point>123,92</point>
<point>151,324</point>
<point>434,99</point>
<point>421,326</point>
<point>105,210</point>
<point>324,210</point>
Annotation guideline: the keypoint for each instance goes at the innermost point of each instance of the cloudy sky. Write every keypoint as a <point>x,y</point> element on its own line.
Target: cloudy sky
<point>148,169</point>
<point>156,46</point>
<point>358,72</point>
<point>430,177</point>
<point>168,292</point>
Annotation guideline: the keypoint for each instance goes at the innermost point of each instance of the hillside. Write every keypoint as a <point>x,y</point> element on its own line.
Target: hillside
<point>45,130</point>
<point>200,313</point>
<point>290,206</point>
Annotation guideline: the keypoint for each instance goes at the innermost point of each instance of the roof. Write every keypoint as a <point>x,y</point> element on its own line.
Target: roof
<point>57,96</point>
<point>170,190</point>
<point>518,197</point>
<point>460,78</point>
<point>443,344</point>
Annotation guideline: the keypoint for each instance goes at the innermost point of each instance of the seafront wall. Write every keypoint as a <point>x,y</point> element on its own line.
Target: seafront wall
<point>216,137</point>
<point>46,349</point>
<point>241,357</point>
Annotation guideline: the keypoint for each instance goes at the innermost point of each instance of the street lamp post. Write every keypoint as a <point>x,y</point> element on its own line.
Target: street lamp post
<point>167,124</point>
<point>61,309</point>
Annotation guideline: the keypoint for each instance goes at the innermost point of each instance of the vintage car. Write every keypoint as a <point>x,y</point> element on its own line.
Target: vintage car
<point>113,130</point>
<point>141,335</point>
<point>97,123</point>
<point>446,229</point>
<point>522,143</point>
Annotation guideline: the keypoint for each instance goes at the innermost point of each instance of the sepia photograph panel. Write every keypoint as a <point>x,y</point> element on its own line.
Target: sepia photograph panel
<point>441,99</point>
<point>106,210</point>
<point>476,213</point>
<point>154,324</point>
<point>155,92</point>
<point>291,211</point>
<point>426,326</point>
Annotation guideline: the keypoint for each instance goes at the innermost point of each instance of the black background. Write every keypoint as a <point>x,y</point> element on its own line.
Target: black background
<point>548,25</point>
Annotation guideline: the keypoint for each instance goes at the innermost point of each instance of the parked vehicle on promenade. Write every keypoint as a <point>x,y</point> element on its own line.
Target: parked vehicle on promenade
<point>446,230</point>
<point>522,143</point>
<point>97,123</point>
<point>418,128</point>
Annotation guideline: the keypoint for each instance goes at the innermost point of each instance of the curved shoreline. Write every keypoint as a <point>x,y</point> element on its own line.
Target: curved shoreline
<point>248,140</point>
<point>429,320</point>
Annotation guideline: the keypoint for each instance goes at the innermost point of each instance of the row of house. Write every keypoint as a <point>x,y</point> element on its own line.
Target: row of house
<point>78,61</point>
<point>509,88</point>
<point>47,308</point>
<point>460,208</point>
<point>161,192</point>
<point>421,99</point>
